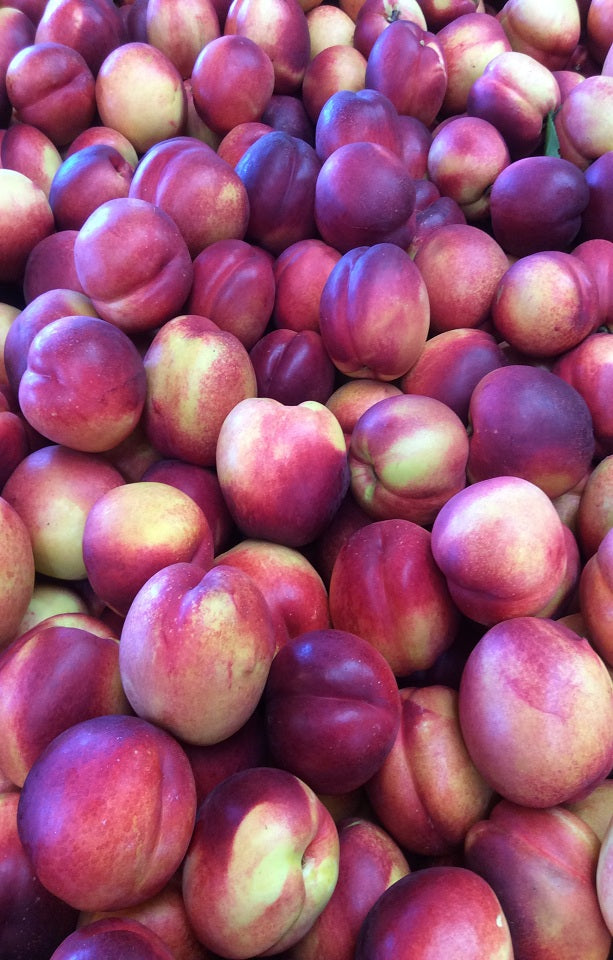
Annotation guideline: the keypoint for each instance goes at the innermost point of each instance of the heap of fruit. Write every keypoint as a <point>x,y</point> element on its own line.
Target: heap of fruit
<point>306,479</point>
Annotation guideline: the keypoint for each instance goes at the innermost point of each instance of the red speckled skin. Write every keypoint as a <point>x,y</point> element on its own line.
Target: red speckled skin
<point>42,309</point>
<point>407,458</point>
<point>134,530</point>
<point>51,678</point>
<point>211,203</point>
<point>451,365</point>
<point>462,267</point>
<point>596,598</point>
<point>107,812</point>
<point>234,286</point>
<point>134,290</point>
<point>292,587</point>
<point>374,310</point>
<point>196,374</point>
<point>587,367</point>
<point>51,86</point>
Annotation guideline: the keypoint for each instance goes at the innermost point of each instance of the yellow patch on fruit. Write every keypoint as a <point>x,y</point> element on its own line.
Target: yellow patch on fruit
<point>265,870</point>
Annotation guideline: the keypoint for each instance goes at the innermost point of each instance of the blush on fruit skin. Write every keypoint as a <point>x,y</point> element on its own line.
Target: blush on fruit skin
<point>386,587</point>
<point>429,808</point>
<point>114,936</point>
<point>550,849</point>
<point>32,670</point>
<point>446,908</point>
<point>196,647</point>
<point>545,434</point>
<point>364,195</point>
<point>257,818</point>
<point>306,336</point>
<point>84,784</point>
<point>567,683</point>
<point>369,862</point>
<point>84,385</point>
<point>272,494</point>
<point>327,687</point>
<point>374,311</point>
<point>133,262</point>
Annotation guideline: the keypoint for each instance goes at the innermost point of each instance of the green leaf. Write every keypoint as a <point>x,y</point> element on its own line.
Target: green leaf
<point>552,144</point>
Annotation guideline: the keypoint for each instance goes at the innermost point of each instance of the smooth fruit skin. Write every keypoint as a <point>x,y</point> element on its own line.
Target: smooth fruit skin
<point>553,854</point>
<point>522,576</point>
<point>546,303</point>
<point>386,587</point>
<point>113,937</point>
<point>133,263</point>
<point>134,530</point>
<point>536,711</point>
<point>333,687</point>
<point>549,32</point>
<point>537,203</point>
<point>370,861</point>
<point>515,92</point>
<point>196,374</point>
<point>544,435</point>
<point>28,219</point>
<point>596,598</point>
<point>84,385</point>
<point>461,266</point>
<point>17,571</point>
<point>364,195</point>
<point>604,878</point>
<point>281,29</point>
<point>196,650</point>
<point>279,172</point>
<point>429,807</point>
<point>406,64</point>
<point>51,678</point>
<point>140,93</point>
<point>374,311</point>
<point>271,489</point>
<point>262,863</point>
<point>587,367</point>
<point>437,911</point>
